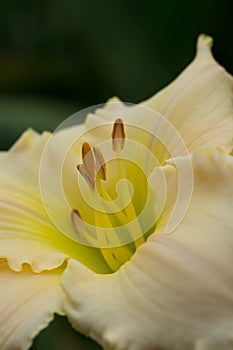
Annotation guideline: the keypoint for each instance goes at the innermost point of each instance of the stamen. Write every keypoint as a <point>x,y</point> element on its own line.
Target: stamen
<point>123,212</point>
<point>87,169</point>
<point>90,180</point>
<point>88,160</point>
<point>100,165</point>
<point>77,223</point>
<point>118,134</point>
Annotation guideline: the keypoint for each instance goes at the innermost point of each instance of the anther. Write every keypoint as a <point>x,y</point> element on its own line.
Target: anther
<point>100,165</point>
<point>118,134</point>
<point>87,169</point>
<point>88,160</point>
<point>89,179</point>
<point>78,223</point>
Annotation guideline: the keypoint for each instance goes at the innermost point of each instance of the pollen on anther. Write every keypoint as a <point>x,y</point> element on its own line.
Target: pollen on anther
<point>118,134</point>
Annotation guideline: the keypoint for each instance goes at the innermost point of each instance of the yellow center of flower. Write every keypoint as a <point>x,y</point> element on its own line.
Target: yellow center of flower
<point>116,213</point>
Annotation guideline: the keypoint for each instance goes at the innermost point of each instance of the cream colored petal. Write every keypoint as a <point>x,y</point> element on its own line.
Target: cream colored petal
<point>28,304</point>
<point>176,293</point>
<point>26,233</point>
<point>199,104</point>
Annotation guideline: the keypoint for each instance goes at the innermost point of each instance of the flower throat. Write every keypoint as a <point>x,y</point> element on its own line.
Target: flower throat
<point>112,212</point>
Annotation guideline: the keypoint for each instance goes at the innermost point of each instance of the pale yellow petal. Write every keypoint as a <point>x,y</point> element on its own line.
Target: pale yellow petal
<point>28,304</point>
<point>176,291</point>
<point>26,233</point>
<point>199,103</point>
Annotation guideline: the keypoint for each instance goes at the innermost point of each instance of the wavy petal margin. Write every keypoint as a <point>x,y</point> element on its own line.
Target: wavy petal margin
<point>28,304</point>
<point>26,233</point>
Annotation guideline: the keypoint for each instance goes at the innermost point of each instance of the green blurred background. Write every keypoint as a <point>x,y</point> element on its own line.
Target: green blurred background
<point>57,57</point>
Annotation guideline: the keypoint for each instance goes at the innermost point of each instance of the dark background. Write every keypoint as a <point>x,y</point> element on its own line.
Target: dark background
<point>58,56</point>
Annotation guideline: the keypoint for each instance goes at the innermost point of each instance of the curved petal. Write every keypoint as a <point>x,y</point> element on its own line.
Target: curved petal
<point>28,304</point>
<point>26,233</point>
<point>199,104</point>
<point>176,291</point>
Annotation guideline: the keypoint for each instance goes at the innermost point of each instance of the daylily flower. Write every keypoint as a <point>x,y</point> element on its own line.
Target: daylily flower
<point>140,287</point>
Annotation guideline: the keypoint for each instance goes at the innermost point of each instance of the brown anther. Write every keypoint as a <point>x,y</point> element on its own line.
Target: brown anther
<point>77,223</point>
<point>89,179</point>
<point>100,165</point>
<point>88,160</point>
<point>118,134</point>
<point>87,169</point>
<point>85,149</point>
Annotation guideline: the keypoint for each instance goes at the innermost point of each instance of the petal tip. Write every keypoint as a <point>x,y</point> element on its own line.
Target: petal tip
<point>113,99</point>
<point>204,41</point>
